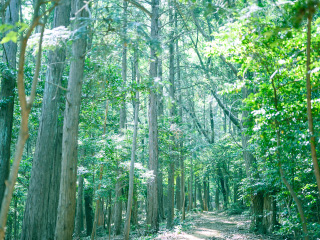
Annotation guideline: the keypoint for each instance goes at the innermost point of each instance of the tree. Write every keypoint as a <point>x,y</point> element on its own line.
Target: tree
<point>134,147</point>
<point>26,105</point>
<point>152,212</point>
<point>7,95</point>
<point>43,194</point>
<point>67,197</point>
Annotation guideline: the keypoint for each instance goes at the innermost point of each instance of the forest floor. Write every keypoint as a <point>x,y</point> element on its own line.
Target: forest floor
<point>214,226</point>
<point>203,225</point>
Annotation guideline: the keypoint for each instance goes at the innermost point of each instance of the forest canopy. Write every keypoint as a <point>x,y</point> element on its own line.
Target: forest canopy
<point>125,119</point>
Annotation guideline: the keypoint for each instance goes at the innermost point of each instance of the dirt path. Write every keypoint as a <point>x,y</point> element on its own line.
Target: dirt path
<point>214,226</point>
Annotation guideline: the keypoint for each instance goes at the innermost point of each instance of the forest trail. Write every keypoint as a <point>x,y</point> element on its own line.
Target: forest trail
<point>215,226</point>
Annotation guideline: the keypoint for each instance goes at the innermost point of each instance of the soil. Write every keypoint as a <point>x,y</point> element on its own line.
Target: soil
<point>214,226</point>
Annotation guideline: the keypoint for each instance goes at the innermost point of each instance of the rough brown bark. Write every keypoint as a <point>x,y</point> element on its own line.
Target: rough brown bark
<point>43,193</point>
<point>67,197</point>
<point>8,83</point>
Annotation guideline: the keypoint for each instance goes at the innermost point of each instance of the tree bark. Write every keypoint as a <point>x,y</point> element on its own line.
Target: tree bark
<point>25,108</point>
<point>67,197</point>
<point>79,214</point>
<point>88,210</point>
<point>160,170</point>
<point>118,208</point>
<point>133,156</point>
<point>172,113</point>
<point>43,193</point>
<point>96,215</point>
<point>152,213</point>
<point>8,84</point>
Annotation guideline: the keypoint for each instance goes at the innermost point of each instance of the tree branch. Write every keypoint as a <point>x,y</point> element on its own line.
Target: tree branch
<point>199,127</point>
<point>138,5</point>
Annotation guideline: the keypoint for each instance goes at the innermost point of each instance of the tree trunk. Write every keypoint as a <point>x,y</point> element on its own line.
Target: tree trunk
<point>133,155</point>
<point>135,208</point>
<point>223,187</point>
<point>67,198</point>
<point>118,208</point>
<point>178,186</point>
<point>43,194</point>
<point>195,192</point>
<point>101,213</point>
<point>257,212</point>
<point>269,220</point>
<point>200,197</point>
<point>88,210</point>
<point>172,113</point>
<point>309,108</point>
<point>109,213</point>
<point>152,213</point>
<point>15,220</point>
<point>217,199</point>
<point>79,214</point>
<point>97,212</point>
<point>160,170</point>
<point>8,84</point>
<point>25,109</point>
<point>191,183</point>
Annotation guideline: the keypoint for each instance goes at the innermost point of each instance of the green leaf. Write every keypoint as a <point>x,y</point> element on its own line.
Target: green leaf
<point>11,36</point>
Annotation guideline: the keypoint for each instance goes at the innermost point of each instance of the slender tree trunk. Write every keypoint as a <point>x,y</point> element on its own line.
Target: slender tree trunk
<point>123,117</point>
<point>181,157</point>
<point>133,156</point>
<point>172,112</point>
<point>118,208</point>
<point>282,174</point>
<point>135,208</point>
<point>96,215</point>
<point>43,194</point>
<point>109,212</point>
<point>217,199</point>
<point>200,196</point>
<point>67,198</point>
<point>178,185</point>
<point>309,108</point>
<point>8,83</point>
<point>152,213</point>
<point>79,214</point>
<point>249,159</point>
<point>160,170</point>
<point>191,183</point>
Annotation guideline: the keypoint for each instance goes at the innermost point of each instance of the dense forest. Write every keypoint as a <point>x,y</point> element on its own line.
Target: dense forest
<point>125,119</point>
